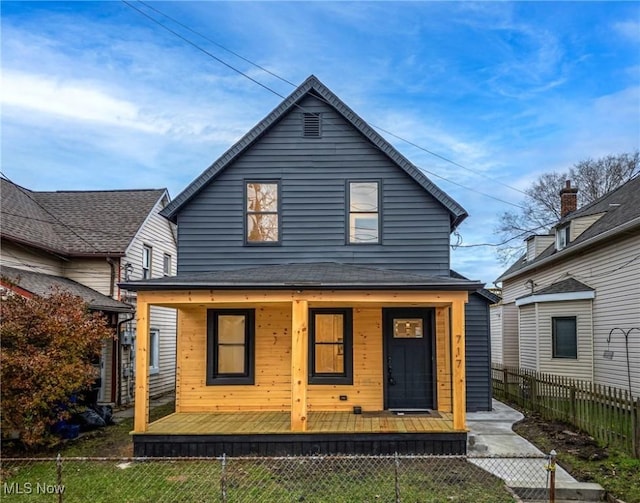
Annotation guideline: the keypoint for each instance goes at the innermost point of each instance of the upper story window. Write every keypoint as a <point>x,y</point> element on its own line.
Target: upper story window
<point>230,339</point>
<point>262,208</point>
<point>166,265</point>
<point>562,237</point>
<point>146,262</point>
<point>330,346</point>
<point>364,214</point>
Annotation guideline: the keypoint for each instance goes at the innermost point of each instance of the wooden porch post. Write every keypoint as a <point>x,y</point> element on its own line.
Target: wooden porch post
<point>299,364</point>
<point>457,355</point>
<point>141,409</point>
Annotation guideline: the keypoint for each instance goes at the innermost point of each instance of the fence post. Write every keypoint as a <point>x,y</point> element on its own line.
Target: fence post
<point>395,469</point>
<point>552,476</point>
<point>635,427</point>
<point>223,478</point>
<point>59,477</point>
<point>572,401</point>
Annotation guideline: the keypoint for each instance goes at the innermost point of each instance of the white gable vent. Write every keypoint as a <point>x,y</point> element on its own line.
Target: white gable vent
<point>311,125</point>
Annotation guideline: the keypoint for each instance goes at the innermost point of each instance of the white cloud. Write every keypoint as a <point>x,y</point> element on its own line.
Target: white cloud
<point>629,29</point>
<point>74,100</point>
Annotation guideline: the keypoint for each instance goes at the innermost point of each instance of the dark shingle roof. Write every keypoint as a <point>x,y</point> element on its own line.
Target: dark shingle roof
<point>565,286</point>
<point>45,284</point>
<point>324,275</point>
<point>75,222</point>
<point>313,86</point>
<point>491,297</point>
<point>620,208</point>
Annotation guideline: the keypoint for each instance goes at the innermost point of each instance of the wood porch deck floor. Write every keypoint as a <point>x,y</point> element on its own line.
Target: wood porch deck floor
<point>234,423</point>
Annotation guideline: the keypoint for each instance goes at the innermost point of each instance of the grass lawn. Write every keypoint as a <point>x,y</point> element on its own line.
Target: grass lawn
<point>312,480</point>
<point>582,457</point>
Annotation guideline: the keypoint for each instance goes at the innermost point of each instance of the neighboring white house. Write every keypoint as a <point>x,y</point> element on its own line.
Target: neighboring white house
<point>571,304</point>
<point>89,241</point>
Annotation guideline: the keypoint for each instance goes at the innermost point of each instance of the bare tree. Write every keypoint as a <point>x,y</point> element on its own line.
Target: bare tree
<point>541,206</point>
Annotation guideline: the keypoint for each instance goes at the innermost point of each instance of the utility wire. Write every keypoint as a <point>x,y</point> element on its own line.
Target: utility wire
<point>64,224</point>
<point>273,74</point>
<point>264,86</point>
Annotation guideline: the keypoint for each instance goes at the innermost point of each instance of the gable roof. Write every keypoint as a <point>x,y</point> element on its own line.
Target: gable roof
<point>313,86</point>
<point>316,275</point>
<point>45,284</point>
<point>75,223</point>
<point>621,213</point>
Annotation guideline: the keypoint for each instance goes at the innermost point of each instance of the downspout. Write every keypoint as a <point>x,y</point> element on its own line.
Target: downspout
<point>112,280</point>
<point>119,358</point>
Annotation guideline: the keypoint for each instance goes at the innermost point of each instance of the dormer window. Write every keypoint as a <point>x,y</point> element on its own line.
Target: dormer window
<point>562,237</point>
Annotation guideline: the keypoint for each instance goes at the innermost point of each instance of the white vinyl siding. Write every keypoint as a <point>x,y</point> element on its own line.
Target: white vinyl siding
<point>581,367</point>
<point>614,272</point>
<point>510,342</point>
<point>29,259</point>
<point>528,337</point>
<point>579,225</point>
<point>495,320</point>
<point>158,233</point>
<point>94,273</point>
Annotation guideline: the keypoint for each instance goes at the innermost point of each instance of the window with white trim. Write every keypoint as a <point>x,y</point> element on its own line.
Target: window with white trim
<point>364,214</point>
<point>562,237</point>
<point>146,262</point>
<point>154,351</point>
<point>166,265</point>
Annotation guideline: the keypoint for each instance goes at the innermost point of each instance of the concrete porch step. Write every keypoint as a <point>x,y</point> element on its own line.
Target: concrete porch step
<point>565,491</point>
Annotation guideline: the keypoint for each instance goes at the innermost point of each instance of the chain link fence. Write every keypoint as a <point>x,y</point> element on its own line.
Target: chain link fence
<point>317,479</point>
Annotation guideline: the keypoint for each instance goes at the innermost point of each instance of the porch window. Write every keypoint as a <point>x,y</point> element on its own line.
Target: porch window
<point>364,214</point>
<point>230,336</point>
<point>565,337</point>
<point>262,208</point>
<point>330,346</point>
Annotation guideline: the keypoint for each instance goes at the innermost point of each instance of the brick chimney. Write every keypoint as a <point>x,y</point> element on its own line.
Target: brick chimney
<point>568,199</point>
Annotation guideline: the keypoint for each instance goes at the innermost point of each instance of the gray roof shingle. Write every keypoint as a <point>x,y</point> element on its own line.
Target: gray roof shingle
<point>619,207</point>
<point>75,223</point>
<point>45,284</point>
<point>313,86</point>
<point>317,275</point>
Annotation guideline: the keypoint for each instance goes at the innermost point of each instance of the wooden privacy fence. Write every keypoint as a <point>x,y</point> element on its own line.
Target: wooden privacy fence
<point>610,415</point>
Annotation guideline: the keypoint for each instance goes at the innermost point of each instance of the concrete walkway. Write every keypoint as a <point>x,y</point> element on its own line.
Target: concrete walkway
<point>127,412</point>
<point>498,450</point>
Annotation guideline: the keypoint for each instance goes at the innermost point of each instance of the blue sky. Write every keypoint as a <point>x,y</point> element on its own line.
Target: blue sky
<point>96,96</point>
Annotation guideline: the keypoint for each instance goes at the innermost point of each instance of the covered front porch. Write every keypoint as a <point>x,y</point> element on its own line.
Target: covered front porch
<point>282,399</point>
<point>269,433</point>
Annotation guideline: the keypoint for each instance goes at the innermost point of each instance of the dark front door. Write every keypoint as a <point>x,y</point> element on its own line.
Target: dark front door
<point>409,350</point>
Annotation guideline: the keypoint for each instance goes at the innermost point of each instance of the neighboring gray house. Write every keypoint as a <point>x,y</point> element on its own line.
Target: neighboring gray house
<point>314,283</point>
<point>568,302</point>
<point>86,242</point>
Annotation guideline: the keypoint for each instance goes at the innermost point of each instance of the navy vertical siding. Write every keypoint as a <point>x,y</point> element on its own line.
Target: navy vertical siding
<point>313,174</point>
<point>478,353</point>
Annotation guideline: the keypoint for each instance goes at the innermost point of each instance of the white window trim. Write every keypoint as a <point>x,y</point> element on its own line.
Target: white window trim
<point>154,351</point>
<point>146,264</point>
<point>166,271</point>
<point>555,297</point>
<point>562,237</point>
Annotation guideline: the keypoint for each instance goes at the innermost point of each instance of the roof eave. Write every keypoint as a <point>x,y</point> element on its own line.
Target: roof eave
<point>603,236</point>
<point>470,286</point>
